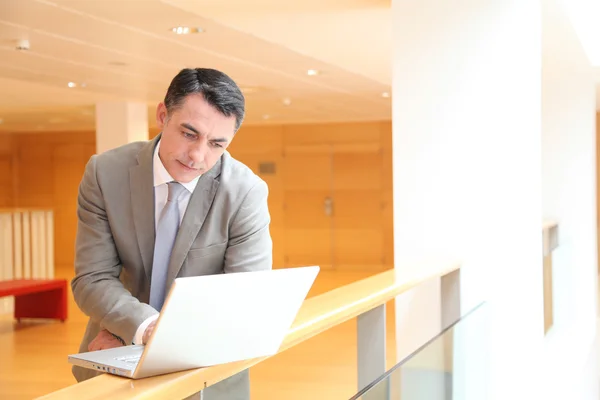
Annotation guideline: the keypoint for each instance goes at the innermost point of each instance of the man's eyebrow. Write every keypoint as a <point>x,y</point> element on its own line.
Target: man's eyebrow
<point>219,140</point>
<point>191,128</point>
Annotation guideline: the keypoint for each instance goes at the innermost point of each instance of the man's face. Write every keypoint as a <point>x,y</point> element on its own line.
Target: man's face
<point>193,137</point>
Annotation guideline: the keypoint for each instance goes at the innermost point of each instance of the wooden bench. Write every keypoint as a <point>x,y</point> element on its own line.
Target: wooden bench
<point>37,298</point>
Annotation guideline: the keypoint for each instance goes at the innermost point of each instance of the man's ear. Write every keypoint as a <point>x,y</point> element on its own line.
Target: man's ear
<point>161,115</point>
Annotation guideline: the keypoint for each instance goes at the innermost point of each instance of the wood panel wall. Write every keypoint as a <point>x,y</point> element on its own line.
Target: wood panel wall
<point>347,166</point>
<point>7,170</point>
<point>44,170</point>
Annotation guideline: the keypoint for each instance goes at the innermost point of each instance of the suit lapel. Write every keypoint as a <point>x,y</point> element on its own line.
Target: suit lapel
<point>141,180</point>
<point>195,214</point>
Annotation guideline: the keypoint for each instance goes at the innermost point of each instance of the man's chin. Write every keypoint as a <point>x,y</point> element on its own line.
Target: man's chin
<point>185,174</point>
<point>186,178</point>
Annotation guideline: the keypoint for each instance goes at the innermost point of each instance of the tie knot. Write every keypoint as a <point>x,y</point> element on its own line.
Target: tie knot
<point>175,190</point>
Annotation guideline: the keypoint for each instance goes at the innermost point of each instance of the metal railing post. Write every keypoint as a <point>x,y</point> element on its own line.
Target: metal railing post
<point>371,352</point>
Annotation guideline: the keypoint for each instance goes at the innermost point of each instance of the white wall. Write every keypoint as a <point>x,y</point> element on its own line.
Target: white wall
<point>569,197</point>
<point>119,123</point>
<point>494,130</point>
<point>467,167</point>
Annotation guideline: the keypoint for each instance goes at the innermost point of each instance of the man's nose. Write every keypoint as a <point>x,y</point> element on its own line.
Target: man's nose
<point>197,152</point>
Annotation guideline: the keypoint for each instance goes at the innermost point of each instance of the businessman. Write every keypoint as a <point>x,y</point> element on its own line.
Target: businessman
<point>178,205</point>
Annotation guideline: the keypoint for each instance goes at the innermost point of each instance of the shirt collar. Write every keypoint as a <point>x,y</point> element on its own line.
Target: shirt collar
<point>161,175</point>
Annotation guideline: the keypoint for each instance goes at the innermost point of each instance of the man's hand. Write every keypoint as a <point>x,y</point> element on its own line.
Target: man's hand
<point>104,340</point>
<point>148,332</point>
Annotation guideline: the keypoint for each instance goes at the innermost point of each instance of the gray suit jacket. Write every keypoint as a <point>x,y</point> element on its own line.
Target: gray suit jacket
<point>225,229</point>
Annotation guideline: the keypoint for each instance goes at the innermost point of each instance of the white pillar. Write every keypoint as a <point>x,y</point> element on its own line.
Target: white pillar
<point>118,123</point>
<point>569,198</point>
<point>467,173</point>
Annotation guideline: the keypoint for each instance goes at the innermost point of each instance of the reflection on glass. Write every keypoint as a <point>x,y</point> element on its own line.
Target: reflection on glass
<point>452,366</point>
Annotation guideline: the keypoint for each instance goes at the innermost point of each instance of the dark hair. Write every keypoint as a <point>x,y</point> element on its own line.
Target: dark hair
<point>218,89</point>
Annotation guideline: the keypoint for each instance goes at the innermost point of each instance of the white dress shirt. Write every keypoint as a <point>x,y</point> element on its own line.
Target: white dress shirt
<point>161,191</point>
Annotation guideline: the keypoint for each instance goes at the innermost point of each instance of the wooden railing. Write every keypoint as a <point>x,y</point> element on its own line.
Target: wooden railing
<point>26,246</point>
<point>365,299</point>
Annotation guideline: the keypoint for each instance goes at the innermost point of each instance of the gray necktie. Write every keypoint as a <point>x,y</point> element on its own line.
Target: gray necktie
<point>166,232</point>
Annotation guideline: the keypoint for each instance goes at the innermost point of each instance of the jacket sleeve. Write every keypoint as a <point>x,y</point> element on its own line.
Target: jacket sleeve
<point>97,289</point>
<point>250,247</point>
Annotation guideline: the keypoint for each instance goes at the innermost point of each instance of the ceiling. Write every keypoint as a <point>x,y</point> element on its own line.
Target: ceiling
<point>126,51</point>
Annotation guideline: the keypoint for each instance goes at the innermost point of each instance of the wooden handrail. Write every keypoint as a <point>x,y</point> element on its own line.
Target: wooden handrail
<point>316,315</point>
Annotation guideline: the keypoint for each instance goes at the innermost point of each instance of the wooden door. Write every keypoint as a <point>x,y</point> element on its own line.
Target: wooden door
<point>358,216</point>
<point>307,192</point>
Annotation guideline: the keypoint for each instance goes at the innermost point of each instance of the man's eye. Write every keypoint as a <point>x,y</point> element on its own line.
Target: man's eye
<point>215,144</point>
<point>189,135</point>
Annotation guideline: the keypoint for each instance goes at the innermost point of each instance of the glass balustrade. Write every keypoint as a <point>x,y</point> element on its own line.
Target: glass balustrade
<point>451,366</point>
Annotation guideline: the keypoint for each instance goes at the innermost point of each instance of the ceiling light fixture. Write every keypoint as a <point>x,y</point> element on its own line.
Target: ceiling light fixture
<point>287,101</point>
<point>23,45</point>
<point>312,72</point>
<point>266,116</point>
<point>186,30</point>
<point>248,89</point>
<point>385,95</point>
<point>71,84</point>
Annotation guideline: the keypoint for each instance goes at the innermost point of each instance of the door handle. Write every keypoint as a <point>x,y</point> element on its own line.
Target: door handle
<point>328,206</point>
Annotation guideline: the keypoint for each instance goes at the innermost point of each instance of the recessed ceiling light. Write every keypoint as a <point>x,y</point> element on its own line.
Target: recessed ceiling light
<point>312,72</point>
<point>248,89</point>
<point>266,116</point>
<point>71,84</point>
<point>385,94</point>
<point>22,45</point>
<point>287,101</point>
<point>186,30</point>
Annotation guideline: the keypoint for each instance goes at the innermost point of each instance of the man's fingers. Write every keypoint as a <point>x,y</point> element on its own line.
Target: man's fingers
<point>98,343</point>
<point>92,345</point>
<point>148,332</point>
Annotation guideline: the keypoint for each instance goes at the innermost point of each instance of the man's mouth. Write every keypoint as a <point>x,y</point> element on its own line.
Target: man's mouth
<point>186,167</point>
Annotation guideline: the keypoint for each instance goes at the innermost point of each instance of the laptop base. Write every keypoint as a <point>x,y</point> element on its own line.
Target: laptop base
<point>121,361</point>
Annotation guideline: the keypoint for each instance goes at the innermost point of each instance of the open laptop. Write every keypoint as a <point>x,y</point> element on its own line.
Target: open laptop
<point>212,319</point>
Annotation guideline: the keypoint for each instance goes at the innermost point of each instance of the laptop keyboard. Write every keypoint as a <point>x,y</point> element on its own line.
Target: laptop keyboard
<point>129,359</point>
